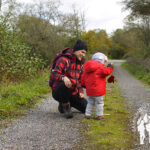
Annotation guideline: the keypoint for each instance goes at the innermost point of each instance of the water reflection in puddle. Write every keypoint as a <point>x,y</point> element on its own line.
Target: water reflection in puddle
<point>143,124</point>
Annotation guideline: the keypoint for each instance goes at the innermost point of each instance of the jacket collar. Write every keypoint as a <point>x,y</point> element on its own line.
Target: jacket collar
<point>69,53</point>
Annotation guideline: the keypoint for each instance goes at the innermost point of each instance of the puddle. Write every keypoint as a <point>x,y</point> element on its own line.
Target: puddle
<point>143,124</point>
<point>143,127</point>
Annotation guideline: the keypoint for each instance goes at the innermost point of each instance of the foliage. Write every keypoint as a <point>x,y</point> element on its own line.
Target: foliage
<point>104,134</point>
<point>139,71</point>
<point>126,43</point>
<point>139,20</point>
<point>33,30</point>
<point>74,26</point>
<point>48,29</point>
<point>16,59</point>
<point>119,46</point>
<point>97,41</point>
<point>42,36</point>
<point>15,98</point>
<point>138,7</point>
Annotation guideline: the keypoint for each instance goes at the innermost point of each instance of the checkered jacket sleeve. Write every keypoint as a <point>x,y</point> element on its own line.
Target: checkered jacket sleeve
<point>59,70</point>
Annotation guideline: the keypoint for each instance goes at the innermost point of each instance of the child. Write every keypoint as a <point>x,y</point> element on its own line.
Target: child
<point>94,80</point>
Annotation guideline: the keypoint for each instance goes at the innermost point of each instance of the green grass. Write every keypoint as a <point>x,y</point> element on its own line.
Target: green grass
<point>113,132</point>
<point>16,98</point>
<point>139,72</point>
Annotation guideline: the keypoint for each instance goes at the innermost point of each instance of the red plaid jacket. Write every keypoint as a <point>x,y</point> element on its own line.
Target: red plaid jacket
<point>68,65</point>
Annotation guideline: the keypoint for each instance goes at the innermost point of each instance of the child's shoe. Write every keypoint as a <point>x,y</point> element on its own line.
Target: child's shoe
<point>100,117</point>
<point>87,116</point>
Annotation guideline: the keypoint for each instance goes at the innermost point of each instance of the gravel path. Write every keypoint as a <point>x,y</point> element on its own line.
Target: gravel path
<point>137,97</point>
<point>43,129</point>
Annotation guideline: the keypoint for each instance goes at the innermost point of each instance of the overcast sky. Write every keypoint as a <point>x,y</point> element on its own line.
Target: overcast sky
<point>102,14</point>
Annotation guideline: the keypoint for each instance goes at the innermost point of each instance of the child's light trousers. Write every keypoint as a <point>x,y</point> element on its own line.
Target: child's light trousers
<point>92,100</point>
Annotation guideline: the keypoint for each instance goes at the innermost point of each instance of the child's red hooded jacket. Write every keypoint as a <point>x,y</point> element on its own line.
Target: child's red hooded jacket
<point>94,78</point>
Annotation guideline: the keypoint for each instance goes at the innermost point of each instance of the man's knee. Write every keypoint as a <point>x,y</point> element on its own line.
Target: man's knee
<point>61,93</point>
<point>79,103</point>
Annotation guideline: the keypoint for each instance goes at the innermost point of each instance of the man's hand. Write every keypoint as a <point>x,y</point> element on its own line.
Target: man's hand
<point>67,82</point>
<point>81,95</point>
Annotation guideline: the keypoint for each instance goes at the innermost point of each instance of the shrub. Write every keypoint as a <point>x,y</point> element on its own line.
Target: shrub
<point>16,59</point>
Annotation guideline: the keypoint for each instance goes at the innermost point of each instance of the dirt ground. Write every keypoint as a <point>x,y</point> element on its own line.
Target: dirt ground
<point>44,128</point>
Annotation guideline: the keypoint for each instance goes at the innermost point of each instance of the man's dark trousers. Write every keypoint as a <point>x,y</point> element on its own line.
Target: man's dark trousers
<point>63,95</point>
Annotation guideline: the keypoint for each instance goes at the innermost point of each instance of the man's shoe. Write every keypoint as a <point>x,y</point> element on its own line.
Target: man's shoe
<point>67,110</point>
<point>100,117</point>
<point>60,108</point>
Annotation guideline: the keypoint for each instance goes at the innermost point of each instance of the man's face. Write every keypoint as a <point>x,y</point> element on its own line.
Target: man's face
<point>80,54</point>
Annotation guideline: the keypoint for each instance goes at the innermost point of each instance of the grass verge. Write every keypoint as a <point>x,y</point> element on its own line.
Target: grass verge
<point>138,71</point>
<point>113,132</point>
<point>15,98</point>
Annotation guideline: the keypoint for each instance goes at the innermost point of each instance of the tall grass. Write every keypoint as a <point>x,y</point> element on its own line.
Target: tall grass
<point>138,71</point>
<point>15,98</point>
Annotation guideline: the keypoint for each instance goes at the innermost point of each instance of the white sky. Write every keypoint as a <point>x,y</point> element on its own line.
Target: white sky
<point>102,14</point>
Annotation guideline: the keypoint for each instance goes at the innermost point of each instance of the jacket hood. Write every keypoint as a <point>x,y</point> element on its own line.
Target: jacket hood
<point>102,58</point>
<point>91,66</point>
<point>67,52</point>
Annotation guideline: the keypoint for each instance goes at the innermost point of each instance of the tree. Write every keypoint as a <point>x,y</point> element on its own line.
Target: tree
<point>139,19</point>
<point>138,7</point>
<point>48,30</point>
<point>17,61</point>
<point>90,39</point>
<point>10,11</point>
<point>97,41</point>
<point>72,24</point>
<point>41,35</point>
<point>120,45</point>
<point>103,41</point>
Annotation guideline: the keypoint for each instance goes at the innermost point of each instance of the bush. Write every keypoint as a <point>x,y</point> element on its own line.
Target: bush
<point>17,61</point>
<point>139,71</point>
<point>16,98</point>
